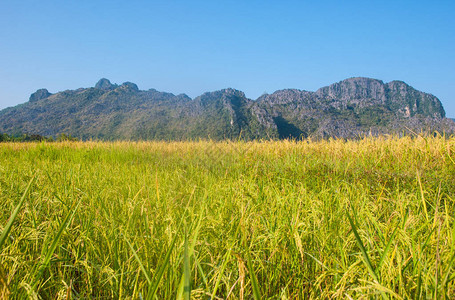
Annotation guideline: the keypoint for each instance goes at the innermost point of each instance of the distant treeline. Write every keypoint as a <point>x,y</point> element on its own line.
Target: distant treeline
<point>35,138</point>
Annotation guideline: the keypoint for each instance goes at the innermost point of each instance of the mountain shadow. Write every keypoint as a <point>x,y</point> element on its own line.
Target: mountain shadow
<point>287,130</point>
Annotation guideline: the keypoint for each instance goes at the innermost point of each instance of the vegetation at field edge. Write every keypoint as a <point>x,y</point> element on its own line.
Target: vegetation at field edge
<point>371,218</point>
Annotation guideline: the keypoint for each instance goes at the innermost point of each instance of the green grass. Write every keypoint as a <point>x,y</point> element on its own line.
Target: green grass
<point>372,218</point>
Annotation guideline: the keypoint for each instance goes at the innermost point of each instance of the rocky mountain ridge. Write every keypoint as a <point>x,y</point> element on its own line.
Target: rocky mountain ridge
<point>346,109</point>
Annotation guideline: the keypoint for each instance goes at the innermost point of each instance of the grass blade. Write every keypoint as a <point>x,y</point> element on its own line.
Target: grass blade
<point>54,244</point>
<point>387,248</point>
<point>14,214</point>
<point>159,274</point>
<point>201,272</point>
<point>186,271</point>
<point>364,253</point>
<point>139,261</point>
<point>254,280</point>
<point>185,281</point>
<point>449,271</point>
<point>424,203</point>
<point>419,286</point>
<point>220,274</point>
<point>362,249</point>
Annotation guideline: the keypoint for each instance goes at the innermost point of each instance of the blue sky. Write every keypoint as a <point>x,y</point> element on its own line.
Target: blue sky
<point>197,46</point>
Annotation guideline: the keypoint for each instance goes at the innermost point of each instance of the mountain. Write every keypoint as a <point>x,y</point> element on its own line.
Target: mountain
<point>349,108</point>
<point>353,107</point>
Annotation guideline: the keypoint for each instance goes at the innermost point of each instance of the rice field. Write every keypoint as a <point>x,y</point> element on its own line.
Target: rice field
<point>371,218</point>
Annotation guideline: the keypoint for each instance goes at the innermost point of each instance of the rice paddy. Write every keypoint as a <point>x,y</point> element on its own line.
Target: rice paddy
<point>371,218</point>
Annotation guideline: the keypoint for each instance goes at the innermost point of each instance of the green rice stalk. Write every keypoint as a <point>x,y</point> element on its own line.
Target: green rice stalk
<point>422,196</point>
<point>153,288</point>
<point>50,251</point>
<point>220,273</point>
<point>366,258</point>
<point>14,215</point>
<point>186,271</point>
<point>387,248</point>
<point>254,281</point>
<point>141,265</point>
<point>159,274</point>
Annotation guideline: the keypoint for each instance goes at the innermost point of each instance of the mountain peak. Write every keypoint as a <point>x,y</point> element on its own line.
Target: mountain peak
<point>355,88</point>
<point>233,92</point>
<point>105,84</point>
<point>130,85</point>
<point>362,80</point>
<point>39,94</point>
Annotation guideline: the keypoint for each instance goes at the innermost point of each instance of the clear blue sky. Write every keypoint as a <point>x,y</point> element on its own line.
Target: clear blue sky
<point>196,46</point>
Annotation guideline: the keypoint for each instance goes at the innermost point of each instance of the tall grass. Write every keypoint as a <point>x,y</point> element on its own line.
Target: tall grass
<point>268,220</point>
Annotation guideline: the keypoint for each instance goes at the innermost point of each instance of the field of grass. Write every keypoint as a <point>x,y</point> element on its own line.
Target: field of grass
<point>372,218</point>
